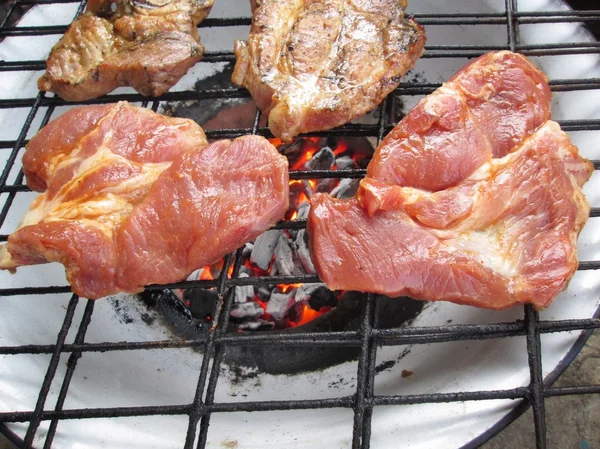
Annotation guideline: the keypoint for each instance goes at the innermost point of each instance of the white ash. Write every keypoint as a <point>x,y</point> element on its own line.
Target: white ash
<point>301,247</point>
<point>308,190</point>
<point>262,252</point>
<point>280,303</point>
<point>256,325</point>
<point>325,185</point>
<point>346,188</point>
<point>304,292</point>
<point>303,210</point>
<point>248,309</point>
<point>284,256</point>
<point>243,292</point>
<point>344,162</point>
<point>264,292</point>
<point>322,160</point>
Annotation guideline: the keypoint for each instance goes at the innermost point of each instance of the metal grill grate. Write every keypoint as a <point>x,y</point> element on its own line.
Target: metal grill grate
<point>367,338</point>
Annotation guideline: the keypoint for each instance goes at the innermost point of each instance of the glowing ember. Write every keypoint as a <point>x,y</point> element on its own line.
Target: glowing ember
<point>285,252</point>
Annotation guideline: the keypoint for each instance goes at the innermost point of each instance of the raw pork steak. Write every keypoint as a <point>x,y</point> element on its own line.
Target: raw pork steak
<point>505,235</point>
<point>133,198</point>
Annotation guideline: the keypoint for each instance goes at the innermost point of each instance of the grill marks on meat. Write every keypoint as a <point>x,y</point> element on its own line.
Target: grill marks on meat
<point>314,65</point>
<point>484,111</point>
<point>507,234</point>
<point>127,188</point>
<point>148,45</point>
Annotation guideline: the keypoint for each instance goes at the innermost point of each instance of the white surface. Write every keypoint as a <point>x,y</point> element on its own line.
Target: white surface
<point>134,378</point>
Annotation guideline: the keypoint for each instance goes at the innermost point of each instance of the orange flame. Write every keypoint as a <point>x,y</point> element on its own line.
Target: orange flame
<point>206,275</point>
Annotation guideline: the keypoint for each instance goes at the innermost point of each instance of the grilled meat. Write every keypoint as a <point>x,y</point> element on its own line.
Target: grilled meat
<point>505,235</point>
<point>132,198</point>
<point>486,109</point>
<point>313,65</point>
<point>474,197</point>
<point>148,45</point>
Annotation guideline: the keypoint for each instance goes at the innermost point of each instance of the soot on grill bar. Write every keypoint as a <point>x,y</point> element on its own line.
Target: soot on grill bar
<point>285,252</point>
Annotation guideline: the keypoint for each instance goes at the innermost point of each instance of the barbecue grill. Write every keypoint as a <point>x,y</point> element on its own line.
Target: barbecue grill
<point>45,418</point>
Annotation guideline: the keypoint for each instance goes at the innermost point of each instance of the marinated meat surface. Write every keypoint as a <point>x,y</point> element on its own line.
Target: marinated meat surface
<point>482,112</point>
<point>315,64</point>
<point>132,197</point>
<point>146,44</point>
<point>505,235</point>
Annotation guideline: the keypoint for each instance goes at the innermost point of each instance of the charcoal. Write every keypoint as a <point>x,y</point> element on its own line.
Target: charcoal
<point>262,252</point>
<point>344,163</point>
<point>273,271</point>
<point>284,257</point>
<point>305,290</point>
<point>303,210</point>
<point>280,303</point>
<point>322,297</point>
<point>322,160</point>
<point>215,270</point>
<point>325,185</point>
<point>264,292</point>
<point>303,253</point>
<point>346,188</point>
<point>243,292</point>
<point>296,191</point>
<point>248,309</point>
<point>295,149</point>
<point>247,250</point>
<point>246,270</point>
<point>201,301</point>
<point>256,325</point>
<point>308,190</point>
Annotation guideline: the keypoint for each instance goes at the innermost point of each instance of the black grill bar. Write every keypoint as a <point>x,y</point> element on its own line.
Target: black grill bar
<point>405,336</point>
<point>198,406</point>
<point>536,387</point>
<point>71,364</point>
<point>369,336</point>
<point>343,402</point>
<point>36,418</point>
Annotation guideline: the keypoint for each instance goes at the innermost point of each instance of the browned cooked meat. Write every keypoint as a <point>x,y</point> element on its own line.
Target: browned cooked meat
<point>146,44</point>
<point>316,64</point>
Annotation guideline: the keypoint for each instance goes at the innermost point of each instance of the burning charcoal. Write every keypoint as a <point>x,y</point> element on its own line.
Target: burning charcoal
<point>256,325</point>
<point>262,252</point>
<point>246,270</point>
<point>346,188</point>
<point>248,309</point>
<point>303,293</point>
<point>307,188</point>
<point>297,190</point>
<point>247,250</point>
<point>322,297</point>
<point>280,303</point>
<point>322,160</point>
<point>264,292</point>
<point>215,271</point>
<point>294,150</point>
<point>303,253</point>
<point>284,257</point>
<point>303,210</point>
<point>325,185</point>
<point>243,292</point>
<point>344,162</point>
